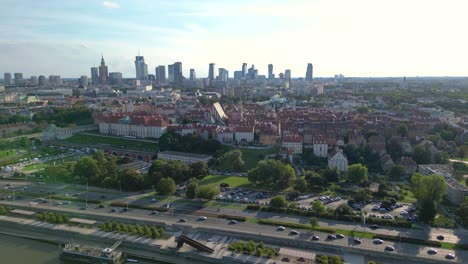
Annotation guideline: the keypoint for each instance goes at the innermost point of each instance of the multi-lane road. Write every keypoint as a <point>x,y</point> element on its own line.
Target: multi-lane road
<point>191,216</point>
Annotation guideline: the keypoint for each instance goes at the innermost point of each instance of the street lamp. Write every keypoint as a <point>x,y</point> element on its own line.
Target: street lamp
<point>120,186</point>
<point>14,198</point>
<point>153,192</point>
<point>87,189</point>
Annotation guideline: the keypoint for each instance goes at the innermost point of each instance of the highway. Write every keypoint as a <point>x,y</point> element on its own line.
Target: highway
<point>191,216</point>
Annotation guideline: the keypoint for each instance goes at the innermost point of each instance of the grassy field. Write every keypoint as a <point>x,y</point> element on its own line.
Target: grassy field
<point>114,142</point>
<point>233,181</point>
<point>36,166</point>
<point>409,196</point>
<point>7,153</point>
<point>253,156</point>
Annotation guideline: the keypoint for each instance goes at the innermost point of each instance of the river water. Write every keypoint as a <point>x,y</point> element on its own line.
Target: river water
<point>15,250</point>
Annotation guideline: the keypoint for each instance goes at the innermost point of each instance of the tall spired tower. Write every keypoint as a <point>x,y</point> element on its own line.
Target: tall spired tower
<point>103,71</point>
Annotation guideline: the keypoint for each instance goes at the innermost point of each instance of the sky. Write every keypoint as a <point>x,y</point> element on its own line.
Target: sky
<point>358,38</point>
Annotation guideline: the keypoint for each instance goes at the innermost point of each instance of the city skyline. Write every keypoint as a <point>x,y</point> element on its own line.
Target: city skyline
<point>358,39</point>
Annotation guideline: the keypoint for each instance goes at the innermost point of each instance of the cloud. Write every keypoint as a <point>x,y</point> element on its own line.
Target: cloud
<point>110,4</point>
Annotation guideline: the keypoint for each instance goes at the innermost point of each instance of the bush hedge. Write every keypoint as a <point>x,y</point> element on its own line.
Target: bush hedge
<point>54,218</point>
<point>135,230</point>
<point>4,210</point>
<point>328,215</point>
<point>295,225</point>
<point>324,259</point>
<point>137,206</point>
<point>233,217</point>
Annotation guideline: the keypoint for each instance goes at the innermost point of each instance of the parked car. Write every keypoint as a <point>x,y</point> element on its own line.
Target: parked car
<point>316,238</point>
<point>340,236</point>
<point>378,241</point>
<point>182,220</point>
<point>450,256</point>
<point>357,241</point>
<point>294,232</point>
<point>440,237</point>
<point>281,228</point>
<point>331,237</point>
<point>390,248</point>
<point>432,251</point>
<point>202,218</point>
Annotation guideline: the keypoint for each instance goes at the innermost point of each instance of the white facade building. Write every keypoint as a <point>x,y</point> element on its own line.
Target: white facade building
<point>338,161</point>
<point>188,158</point>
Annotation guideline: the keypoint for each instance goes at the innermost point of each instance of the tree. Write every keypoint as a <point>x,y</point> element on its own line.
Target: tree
<point>208,192</point>
<point>273,171</point>
<point>331,175</point>
<point>402,130</point>
<point>199,170</point>
<point>166,186</point>
<point>357,173</point>
<point>314,179</point>
<point>300,184</point>
<point>396,172</point>
<point>441,157</point>
<point>192,189</point>
<point>363,194</point>
<point>421,155</point>
<point>313,221</point>
<point>279,201</point>
<point>429,191</point>
<point>131,180</point>
<point>230,161</point>
<point>343,209</point>
<point>318,207</point>
<point>86,168</point>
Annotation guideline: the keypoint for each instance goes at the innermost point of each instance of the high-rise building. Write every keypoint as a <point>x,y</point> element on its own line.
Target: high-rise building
<point>287,74</point>
<point>251,72</point>
<point>141,68</point>
<point>84,80</point>
<point>211,70</point>
<point>7,78</point>
<point>170,72</point>
<point>115,78</point>
<point>309,73</point>
<point>193,75</point>
<point>94,75</point>
<point>223,74</point>
<point>244,69</point>
<point>55,80</point>
<point>238,75</point>
<point>178,75</point>
<point>42,80</point>
<point>103,71</point>
<point>18,77</point>
<point>161,74</point>
<point>270,72</point>
<point>34,81</point>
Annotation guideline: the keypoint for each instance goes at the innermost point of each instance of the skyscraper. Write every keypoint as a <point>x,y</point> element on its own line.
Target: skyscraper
<point>251,72</point>
<point>178,76</point>
<point>18,77</point>
<point>223,75</point>
<point>211,74</point>
<point>55,80</point>
<point>42,80</point>
<point>244,69</point>
<point>270,72</point>
<point>7,78</point>
<point>193,75</point>
<point>84,80</point>
<point>141,68</point>
<point>103,71</point>
<point>161,74</point>
<point>94,75</point>
<point>34,80</point>
<point>115,78</point>
<point>287,74</point>
<point>309,73</point>
<point>170,72</point>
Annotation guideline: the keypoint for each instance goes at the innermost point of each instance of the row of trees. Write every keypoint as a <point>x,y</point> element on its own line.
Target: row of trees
<point>189,143</point>
<point>54,218</point>
<point>176,170</point>
<point>65,116</point>
<point>253,249</point>
<point>135,230</point>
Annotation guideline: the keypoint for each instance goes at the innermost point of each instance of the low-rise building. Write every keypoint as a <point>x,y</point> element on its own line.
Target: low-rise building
<point>320,148</point>
<point>338,160</point>
<point>293,142</point>
<point>244,133</point>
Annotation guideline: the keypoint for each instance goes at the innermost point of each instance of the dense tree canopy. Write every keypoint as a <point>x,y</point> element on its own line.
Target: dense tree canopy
<point>207,192</point>
<point>166,186</point>
<point>188,143</point>
<point>131,180</point>
<point>429,191</point>
<point>230,161</point>
<point>65,116</point>
<point>278,201</point>
<point>421,155</point>
<point>357,173</point>
<point>273,172</point>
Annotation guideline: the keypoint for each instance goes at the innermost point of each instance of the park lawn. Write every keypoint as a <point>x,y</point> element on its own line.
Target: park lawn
<point>7,153</point>
<point>409,196</point>
<point>233,181</point>
<point>37,166</point>
<point>253,156</point>
<point>114,142</point>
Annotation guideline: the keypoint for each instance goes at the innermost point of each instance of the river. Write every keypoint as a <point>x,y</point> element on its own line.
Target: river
<point>16,250</point>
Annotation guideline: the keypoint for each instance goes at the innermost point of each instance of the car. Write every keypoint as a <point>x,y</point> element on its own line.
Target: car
<point>357,241</point>
<point>374,226</point>
<point>281,228</point>
<point>113,210</point>
<point>331,237</point>
<point>390,248</point>
<point>182,220</point>
<point>153,200</point>
<point>294,232</point>
<point>301,259</point>
<point>233,222</point>
<point>440,237</point>
<point>101,206</point>
<point>340,236</point>
<point>285,259</point>
<point>154,212</point>
<point>316,238</point>
<point>432,251</point>
<point>378,241</point>
<point>83,208</point>
<point>202,218</point>
<point>124,210</point>
<point>450,256</point>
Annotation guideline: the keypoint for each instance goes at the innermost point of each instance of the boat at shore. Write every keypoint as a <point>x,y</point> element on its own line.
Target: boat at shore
<point>92,255</point>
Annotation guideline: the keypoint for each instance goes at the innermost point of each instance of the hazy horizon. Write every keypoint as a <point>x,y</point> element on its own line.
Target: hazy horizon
<point>361,38</point>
